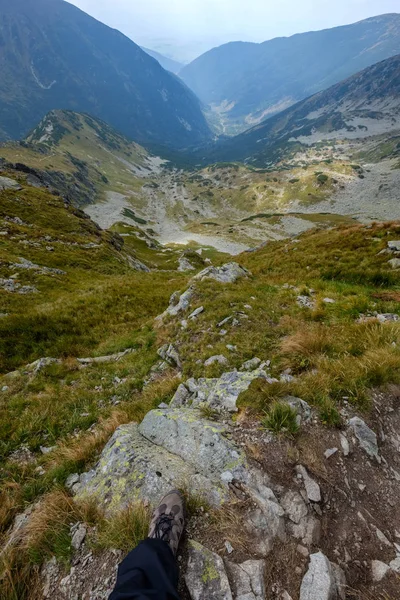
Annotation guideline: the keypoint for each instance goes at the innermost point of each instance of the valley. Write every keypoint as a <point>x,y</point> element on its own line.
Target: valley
<point>200,294</point>
<point>229,206</point>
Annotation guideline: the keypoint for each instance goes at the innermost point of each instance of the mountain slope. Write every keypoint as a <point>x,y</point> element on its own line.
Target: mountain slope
<point>55,56</point>
<point>169,64</point>
<point>367,104</point>
<point>247,83</point>
<point>80,156</point>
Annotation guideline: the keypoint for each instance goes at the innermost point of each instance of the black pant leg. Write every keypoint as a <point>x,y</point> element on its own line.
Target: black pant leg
<point>149,572</point>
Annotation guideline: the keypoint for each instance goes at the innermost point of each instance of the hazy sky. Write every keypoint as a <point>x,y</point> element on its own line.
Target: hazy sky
<point>183,29</point>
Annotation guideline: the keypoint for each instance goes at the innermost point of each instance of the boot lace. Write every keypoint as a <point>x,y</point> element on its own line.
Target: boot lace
<point>163,528</point>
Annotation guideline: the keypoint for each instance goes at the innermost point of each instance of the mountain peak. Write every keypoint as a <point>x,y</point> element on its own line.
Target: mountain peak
<point>72,61</point>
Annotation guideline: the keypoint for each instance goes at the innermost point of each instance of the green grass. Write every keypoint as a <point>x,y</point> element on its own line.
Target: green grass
<point>281,418</point>
<point>101,306</point>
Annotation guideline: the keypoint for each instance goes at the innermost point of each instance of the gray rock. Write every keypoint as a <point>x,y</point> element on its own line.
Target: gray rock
<point>71,481</point>
<point>323,580</point>
<point>206,577</point>
<point>247,580</point>
<point>79,536</point>
<point>40,364</point>
<point>308,530</point>
<point>228,273</point>
<point>225,321</point>
<point>196,313</point>
<point>96,360</point>
<point>199,442</point>
<point>385,317</point>
<point>229,547</point>
<point>9,285</point>
<point>379,570</point>
<point>394,263</point>
<point>330,452</point>
<point>134,263</point>
<point>132,467</point>
<point>366,437</point>
<point>306,302</point>
<point>185,264</point>
<point>394,246</point>
<point>294,506</point>
<point>265,525</point>
<point>169,353</point>
<point>287,378</point>
<point>178,304</point>
<point>220,359</point>
<point>300,407</point>
<point>251,365</point>
<point>312,488</point>
<point>395,564</point>
<point>344,442</point>
<point>223,393</point>
<point>45,450</point>
<point>30,266</point>
<point>9,184</point>
<point>329,301</point>
<point>302,526</point>
<point>181,397</point>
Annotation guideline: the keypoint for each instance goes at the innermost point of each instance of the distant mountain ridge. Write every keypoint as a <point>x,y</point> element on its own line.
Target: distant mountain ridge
<point>169,64</point>
<point>248,82</point>
<point>364,105</point>
<point>54,56</point>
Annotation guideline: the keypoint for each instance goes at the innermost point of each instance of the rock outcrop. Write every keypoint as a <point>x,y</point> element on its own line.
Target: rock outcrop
<point>220,394</point>
<point>228,273</point>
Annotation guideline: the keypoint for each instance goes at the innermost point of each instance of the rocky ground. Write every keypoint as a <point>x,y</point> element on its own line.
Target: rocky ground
<point>176,216</point>
<point>316,518</point>
<point>373,198</point>
<point>274,406</point>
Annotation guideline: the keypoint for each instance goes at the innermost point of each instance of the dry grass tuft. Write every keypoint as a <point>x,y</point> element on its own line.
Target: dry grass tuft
<point>85,448</point>
<point>227,524</point>
<point>124,529</point>
<point>46,534</point>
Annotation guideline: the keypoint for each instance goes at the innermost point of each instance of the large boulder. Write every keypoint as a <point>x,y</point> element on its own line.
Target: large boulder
<point>199,442</point>
<point>131,467</point>
<point>228,273</point>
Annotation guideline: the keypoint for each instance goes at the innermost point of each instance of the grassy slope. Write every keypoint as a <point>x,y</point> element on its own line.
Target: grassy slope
<point>342,264</point>
<point>100,306</point>
<point>108,158</point>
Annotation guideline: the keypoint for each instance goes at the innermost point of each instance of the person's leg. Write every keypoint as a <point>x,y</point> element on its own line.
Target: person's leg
<point>150,572</point>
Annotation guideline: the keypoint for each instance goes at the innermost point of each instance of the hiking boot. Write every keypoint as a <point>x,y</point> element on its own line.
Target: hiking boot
<point>168,520</point>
